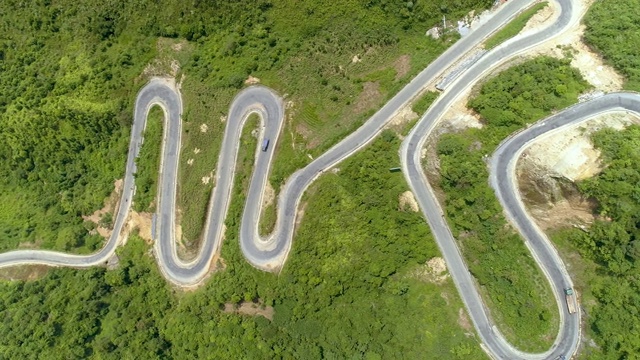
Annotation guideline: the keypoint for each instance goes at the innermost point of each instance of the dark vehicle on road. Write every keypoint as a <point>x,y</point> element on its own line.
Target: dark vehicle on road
<point>265,144</point>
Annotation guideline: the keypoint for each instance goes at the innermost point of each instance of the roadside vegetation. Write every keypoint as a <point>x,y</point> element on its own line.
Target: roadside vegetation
<point>512,285</point>
<point>268,218</point>
<point>421,105</point>
<point>514,27</point>
<point>356,286</point>
<point>609,251</point>
<point>148,162</point>
<point>613,30</point>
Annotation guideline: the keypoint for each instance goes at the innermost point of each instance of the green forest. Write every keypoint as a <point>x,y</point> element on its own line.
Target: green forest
<point>614,30</point>
<point>513,285</point>
<point>69,73</point>
<point>336,298</point>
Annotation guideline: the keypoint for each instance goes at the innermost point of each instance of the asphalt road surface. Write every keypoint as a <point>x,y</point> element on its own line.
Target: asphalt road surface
<point>270,253</point>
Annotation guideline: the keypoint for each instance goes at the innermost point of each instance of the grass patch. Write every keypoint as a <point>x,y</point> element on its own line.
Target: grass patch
<point>514,26</point>
<point>199,154</point>
<point>268,218</point>
<point>148,162</point>
<point>421,105</point>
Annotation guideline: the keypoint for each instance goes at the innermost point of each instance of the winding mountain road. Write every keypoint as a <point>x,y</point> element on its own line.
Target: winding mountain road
<point>494,342</point>
<point>269,253</point>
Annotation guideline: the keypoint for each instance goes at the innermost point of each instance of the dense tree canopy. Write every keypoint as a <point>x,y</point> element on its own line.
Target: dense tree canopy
<point>614,30</point>
<point>528,92</point>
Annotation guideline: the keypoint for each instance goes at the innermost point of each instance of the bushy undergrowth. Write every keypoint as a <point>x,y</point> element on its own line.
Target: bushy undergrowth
<point>514,27</point>
<point>148,162</point>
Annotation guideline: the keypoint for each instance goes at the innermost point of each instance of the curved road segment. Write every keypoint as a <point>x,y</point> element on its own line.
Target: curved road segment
<point>270,253</point>
<point>494,342</point>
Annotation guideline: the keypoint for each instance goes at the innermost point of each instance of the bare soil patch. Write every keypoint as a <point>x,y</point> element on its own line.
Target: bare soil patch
<point>403,117</point>
<point>368,98</point>
<point>165,63</point>
<point>251,80</point>
<point>433,271</point>
<point>304,131</point>
<point>543,17</point>
<point>548,169</point>
<point>570,153</point>
<point>463,320</point>
<point>445,295</point>
<point>408,200</point>
<point>30,245</point>
<point>578,212</point>
<point>268,196</point>
<point>207,179</point>
<point>299,216</point>
<point>183,246</point>
<point>110,205</point>
<point>311,140</point>
<point>459,117</point>
<point>142,222</point>
<point>570,43</point>
<point>251,309</point>
<point>402,66</point>
<point>178,46</point>
<point>431,165</point>
<point>23,272</point>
